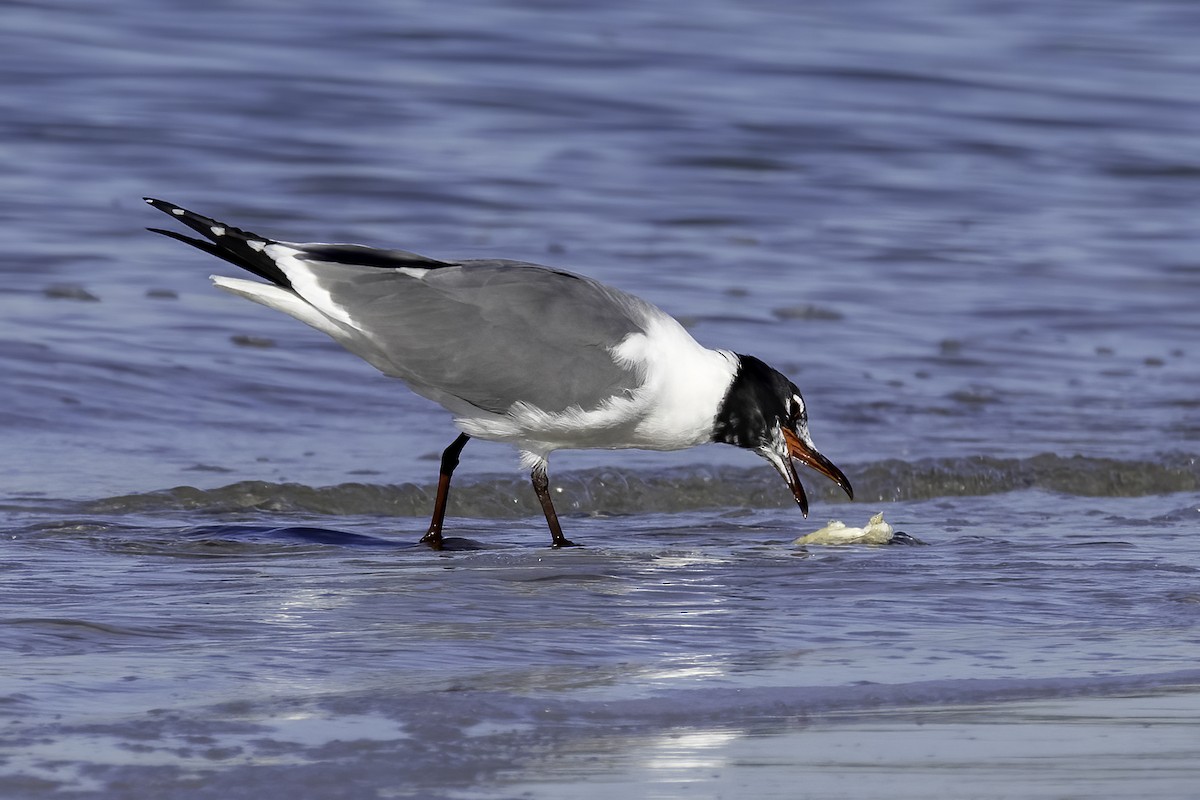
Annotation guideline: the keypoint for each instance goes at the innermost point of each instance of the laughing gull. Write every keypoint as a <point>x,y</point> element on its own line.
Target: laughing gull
<point>537,357</point>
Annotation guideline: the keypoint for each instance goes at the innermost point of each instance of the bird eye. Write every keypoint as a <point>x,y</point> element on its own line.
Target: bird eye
<point>795,408</point>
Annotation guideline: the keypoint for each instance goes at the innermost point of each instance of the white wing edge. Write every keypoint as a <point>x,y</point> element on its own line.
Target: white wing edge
<point>284,300</point>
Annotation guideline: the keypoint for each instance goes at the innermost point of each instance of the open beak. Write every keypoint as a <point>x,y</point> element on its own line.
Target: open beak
<point>808,455</point>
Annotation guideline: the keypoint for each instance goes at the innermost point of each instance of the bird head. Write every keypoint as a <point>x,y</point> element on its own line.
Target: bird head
<point>763,411</point>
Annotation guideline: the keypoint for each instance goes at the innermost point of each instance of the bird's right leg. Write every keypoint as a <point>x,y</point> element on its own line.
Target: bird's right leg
<point>541,487</point>
<point>449,461</point>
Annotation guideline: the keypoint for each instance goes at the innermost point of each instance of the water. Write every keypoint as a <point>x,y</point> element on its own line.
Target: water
<point>966,229</point>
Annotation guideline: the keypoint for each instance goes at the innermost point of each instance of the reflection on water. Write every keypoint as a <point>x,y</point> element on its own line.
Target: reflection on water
<point>687,756</point>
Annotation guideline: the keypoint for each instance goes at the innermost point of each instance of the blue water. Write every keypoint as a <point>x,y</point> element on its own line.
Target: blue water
<point>966,229</point>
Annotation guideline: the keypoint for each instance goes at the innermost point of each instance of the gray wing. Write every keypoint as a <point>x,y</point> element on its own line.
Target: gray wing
<point>490,332</point>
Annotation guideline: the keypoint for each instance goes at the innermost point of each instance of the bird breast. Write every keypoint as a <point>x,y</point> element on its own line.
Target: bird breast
<point>673,407</point>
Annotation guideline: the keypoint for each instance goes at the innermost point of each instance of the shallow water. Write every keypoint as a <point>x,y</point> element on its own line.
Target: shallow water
<point>697,651</point>
<point>965,229</point>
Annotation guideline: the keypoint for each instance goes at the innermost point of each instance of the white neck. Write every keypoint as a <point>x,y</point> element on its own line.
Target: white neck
<point>685,386</point>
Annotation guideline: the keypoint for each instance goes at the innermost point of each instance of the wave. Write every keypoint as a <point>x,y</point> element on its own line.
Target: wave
<point>697,706</point>
<point>613,492</point>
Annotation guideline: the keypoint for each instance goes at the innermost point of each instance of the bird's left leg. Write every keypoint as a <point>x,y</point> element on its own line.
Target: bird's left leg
<point>541,486</point>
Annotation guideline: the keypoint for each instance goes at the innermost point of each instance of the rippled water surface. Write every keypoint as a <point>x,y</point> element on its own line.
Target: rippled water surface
<point>966,229</point>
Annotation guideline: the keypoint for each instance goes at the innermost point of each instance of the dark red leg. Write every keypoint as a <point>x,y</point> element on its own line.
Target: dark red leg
<point>449,461</point>
<point>541,485</point>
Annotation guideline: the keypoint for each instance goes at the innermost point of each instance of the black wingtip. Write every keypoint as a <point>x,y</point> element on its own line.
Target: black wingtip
<point>223,241</point>
<point>203,245</point>
<point>161,205</point>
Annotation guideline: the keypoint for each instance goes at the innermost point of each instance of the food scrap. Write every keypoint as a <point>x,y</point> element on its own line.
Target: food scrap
<point>876,531</point>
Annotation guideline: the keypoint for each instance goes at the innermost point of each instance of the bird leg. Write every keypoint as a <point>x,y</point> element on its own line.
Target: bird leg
<point>449,461</point>
<point>541,486</point>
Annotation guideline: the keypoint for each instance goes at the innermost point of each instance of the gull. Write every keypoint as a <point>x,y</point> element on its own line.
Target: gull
<point>540,358</point>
